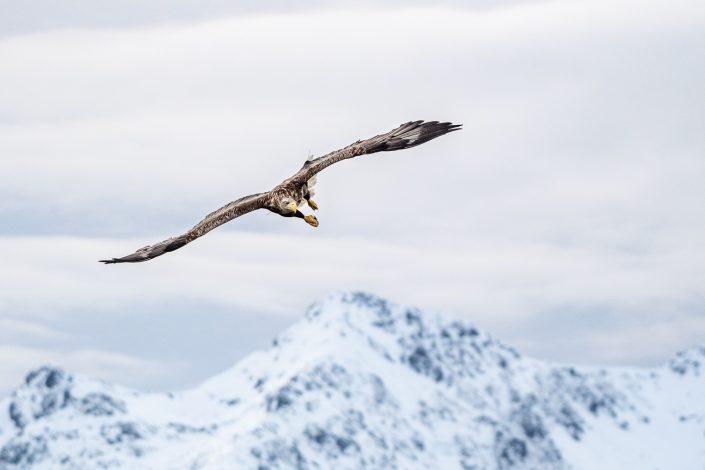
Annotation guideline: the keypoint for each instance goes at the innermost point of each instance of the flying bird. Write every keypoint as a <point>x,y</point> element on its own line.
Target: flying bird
<point>291,194</point>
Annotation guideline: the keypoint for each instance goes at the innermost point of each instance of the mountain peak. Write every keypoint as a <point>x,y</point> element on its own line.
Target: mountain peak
<point>437,346</point>
<point>46,377</point>
<point>46,390</point>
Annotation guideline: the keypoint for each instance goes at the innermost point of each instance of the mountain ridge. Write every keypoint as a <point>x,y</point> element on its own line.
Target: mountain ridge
<point>361,382</point>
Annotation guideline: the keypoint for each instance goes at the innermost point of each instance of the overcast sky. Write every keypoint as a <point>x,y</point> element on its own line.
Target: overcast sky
<point>567,218</point>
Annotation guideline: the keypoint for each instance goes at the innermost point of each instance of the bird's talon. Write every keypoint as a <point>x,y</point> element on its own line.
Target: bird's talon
<point>312,204</point>
<point>311,220</point>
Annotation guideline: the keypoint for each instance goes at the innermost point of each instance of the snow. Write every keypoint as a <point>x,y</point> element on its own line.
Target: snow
<point>361,382</point>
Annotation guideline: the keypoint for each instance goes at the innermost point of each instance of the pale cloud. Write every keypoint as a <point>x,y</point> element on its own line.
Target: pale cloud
<point>648,333</point>
<point>12,328</point>
<point>22,17</point>
<point>154,127</point>
<point>565,218</point>
<point>581,299</point>
<point>18,360</point>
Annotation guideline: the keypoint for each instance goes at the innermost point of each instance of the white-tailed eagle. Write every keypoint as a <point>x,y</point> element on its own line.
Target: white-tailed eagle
<point>286,198</point>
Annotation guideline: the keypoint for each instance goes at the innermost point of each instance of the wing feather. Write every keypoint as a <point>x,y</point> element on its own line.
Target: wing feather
<point>405,136</point>
<point>215,219</point>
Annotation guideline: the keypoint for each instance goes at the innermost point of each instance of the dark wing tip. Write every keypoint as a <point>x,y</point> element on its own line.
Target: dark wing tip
<point>445,126</point>
<point>411,134</point>
<point>428,131</point>
<point>151,251</point>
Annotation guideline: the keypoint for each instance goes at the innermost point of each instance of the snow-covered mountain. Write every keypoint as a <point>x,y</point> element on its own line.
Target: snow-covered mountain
<point>363,383</point>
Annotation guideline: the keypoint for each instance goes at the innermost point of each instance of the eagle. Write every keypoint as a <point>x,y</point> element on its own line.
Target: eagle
<point>291,194</point>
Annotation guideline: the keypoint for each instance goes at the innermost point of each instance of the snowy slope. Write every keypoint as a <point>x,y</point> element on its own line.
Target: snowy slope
<point>363,383</point>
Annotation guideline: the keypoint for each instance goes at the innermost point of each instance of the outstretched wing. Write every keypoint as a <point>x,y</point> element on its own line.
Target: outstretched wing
<point>405,136</point>
<point>225,214</point>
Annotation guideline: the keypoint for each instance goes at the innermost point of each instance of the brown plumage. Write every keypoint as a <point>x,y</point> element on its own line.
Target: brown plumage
<point>286,197</point>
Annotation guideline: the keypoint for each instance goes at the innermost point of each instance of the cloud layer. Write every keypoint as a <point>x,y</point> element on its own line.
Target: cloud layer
<point>566,217</point>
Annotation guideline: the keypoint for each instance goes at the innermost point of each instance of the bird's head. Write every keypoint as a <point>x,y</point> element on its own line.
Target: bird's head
<point>289,205</point>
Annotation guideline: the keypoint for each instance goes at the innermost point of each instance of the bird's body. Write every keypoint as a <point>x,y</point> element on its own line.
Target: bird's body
<point>287,197</point>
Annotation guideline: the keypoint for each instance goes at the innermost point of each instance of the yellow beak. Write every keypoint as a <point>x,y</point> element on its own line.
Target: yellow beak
<point>293,207</point>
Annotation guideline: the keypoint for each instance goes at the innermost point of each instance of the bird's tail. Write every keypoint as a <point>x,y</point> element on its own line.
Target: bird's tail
<point>410,135</point>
